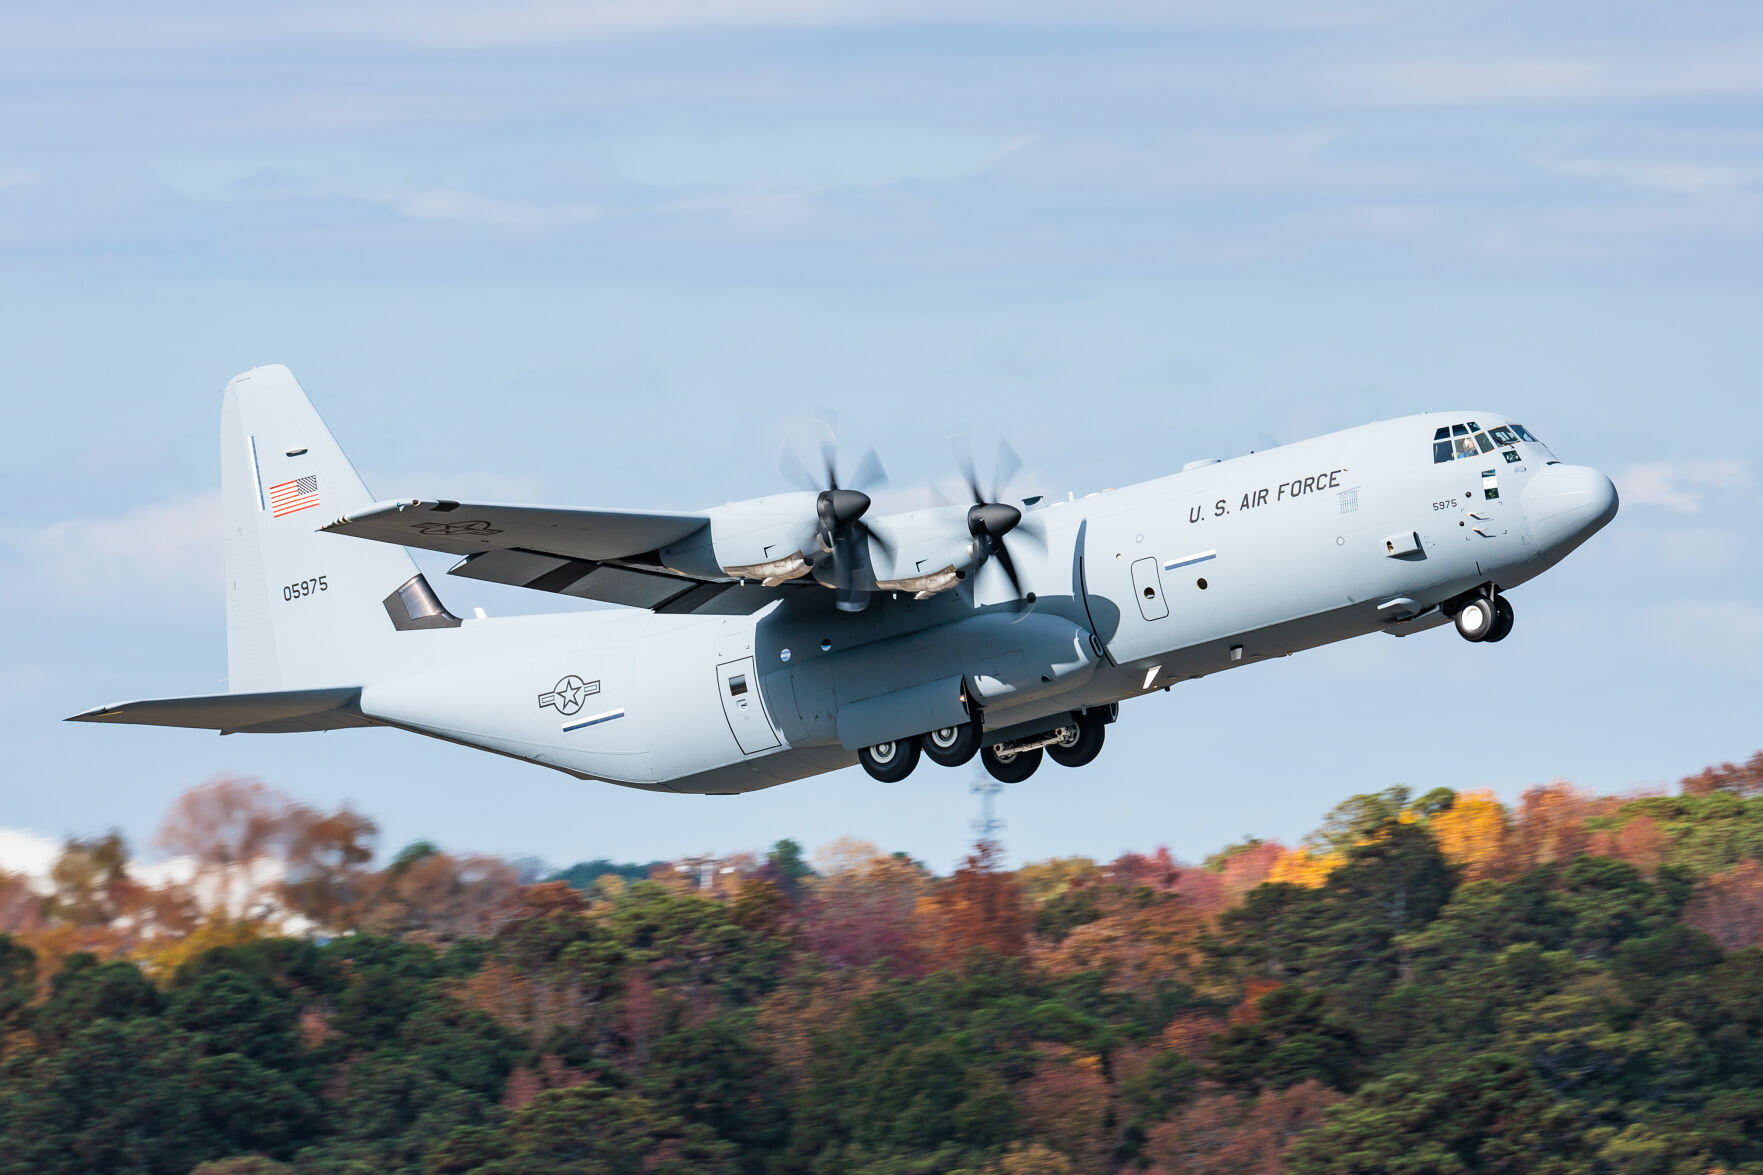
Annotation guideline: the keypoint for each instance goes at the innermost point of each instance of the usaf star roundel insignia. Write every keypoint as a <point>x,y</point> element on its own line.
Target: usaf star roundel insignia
<point>568,694</point>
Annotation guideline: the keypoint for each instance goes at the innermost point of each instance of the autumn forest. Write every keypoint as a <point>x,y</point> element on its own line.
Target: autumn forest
<point>1431,982</point>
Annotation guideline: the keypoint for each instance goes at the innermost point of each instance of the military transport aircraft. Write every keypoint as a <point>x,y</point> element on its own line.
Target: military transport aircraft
<point>772,639</point>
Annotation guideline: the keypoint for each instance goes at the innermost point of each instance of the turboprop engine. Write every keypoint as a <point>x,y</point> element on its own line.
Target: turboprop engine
<point>824,533</point>
<point>769,539</point>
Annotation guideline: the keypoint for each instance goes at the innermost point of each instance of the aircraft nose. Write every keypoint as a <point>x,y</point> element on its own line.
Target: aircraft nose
<point>1566,505</point>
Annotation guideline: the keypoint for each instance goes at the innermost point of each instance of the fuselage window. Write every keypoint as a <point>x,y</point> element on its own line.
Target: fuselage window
<point>737,685</point>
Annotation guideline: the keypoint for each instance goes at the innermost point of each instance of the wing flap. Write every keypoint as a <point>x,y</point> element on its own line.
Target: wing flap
<point>469,528</point>
<point>272,712</point>
<point>606,555</point>
<point>632,586</point>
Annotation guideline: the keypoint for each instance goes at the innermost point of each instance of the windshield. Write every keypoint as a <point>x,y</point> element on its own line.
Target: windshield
<point>1459,442</point>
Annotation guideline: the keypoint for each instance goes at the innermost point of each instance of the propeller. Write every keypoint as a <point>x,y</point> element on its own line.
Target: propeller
<point>838,510</point>
<point>989,520</point>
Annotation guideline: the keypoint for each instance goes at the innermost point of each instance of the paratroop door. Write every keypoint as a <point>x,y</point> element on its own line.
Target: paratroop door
<point>739,689</point>
<point>1147,588</point>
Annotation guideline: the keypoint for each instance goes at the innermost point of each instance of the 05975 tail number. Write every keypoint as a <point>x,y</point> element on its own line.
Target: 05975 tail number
<point>306,587</point>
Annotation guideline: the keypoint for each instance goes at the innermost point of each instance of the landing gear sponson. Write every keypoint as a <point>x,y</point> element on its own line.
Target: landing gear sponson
<point>1010,757</point>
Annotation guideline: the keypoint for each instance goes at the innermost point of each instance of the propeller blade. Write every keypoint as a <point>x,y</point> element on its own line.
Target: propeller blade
<point>789,464</point>
<point>829,448</point>
<point>866,531</point>
<point>870,474</point>
<point>1030,528</point>
<point>1002,554</point>
<point>1008,466</point>
<point>964,462</point>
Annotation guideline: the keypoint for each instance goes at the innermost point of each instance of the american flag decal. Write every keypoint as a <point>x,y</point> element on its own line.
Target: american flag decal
<point>290,496</point>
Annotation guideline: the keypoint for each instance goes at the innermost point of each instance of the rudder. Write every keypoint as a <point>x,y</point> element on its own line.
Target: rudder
<point>304,609</point>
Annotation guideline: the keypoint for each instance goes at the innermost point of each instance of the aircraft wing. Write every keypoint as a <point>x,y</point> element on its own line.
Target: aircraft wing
<point>607,555</point>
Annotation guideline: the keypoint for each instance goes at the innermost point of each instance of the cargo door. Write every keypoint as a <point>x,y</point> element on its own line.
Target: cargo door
<point>739,690</point>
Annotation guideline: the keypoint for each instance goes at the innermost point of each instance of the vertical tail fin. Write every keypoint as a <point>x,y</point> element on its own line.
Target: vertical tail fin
<point>304,609</point>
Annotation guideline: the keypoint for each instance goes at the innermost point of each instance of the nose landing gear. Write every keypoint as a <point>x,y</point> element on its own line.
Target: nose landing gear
<point>1485,618</point>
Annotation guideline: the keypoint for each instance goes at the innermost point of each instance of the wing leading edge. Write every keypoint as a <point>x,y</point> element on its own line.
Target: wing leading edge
<point>606,555</point>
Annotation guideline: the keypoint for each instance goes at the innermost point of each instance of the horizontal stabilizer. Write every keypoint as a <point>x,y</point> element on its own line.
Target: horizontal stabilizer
<point>273,712</point>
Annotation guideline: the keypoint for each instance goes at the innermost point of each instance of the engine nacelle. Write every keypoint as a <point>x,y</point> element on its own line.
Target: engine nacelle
<point>929,550</point>
<point>768,539</point>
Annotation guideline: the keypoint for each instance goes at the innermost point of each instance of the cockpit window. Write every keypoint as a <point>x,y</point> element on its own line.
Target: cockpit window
<point>1454,442</point>
<point>1524,434</point>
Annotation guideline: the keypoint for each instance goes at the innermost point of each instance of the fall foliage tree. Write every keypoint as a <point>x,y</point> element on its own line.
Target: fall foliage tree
<point>1572,986</point>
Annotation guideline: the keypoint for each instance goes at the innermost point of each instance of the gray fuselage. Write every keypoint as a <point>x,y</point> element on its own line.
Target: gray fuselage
<point>1221,565</point>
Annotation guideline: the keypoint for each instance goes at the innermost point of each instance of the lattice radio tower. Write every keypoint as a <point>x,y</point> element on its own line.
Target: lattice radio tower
<point>988,826</point>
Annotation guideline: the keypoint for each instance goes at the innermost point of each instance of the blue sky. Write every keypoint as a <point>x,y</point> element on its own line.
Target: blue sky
<point>609,253</point>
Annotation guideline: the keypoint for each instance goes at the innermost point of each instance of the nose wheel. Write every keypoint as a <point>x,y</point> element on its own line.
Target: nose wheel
<point>1485,619</point>
<point>1502,620</point>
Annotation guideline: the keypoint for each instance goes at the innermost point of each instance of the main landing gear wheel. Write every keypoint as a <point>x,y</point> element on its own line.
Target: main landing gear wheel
<point>1081,743</point>
<point>1475,620</point>
<point>1502,620</point>
<point>952,745</point>
<point>890,762</point>
<point>1011,766</point>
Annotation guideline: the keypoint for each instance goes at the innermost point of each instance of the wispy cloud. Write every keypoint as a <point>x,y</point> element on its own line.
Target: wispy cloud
<point>1625,73</point>
<point>457,24</point>
<point>162,556</point>
<point>1677,176</point>
<point>472,208</point>
<point>1680,485</point>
